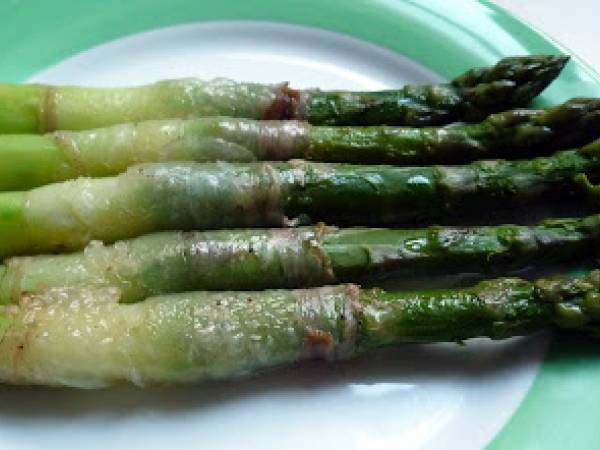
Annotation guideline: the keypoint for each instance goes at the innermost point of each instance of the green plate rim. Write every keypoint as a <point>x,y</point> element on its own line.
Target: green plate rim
<point>560,408</point>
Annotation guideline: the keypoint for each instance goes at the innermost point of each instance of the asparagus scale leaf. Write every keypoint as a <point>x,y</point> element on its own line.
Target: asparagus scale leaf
<point>34,160</point>
<point>511,83</point>
<point>85,338</point>
<point>168,262</point>
<point>186,196</point>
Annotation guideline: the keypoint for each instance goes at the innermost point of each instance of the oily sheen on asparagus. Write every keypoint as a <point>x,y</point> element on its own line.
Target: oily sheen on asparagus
<point>186,196</point>
<point>512,82</point>
<point>169,262</point>
<point>85,338</point>
<point>34,160</point>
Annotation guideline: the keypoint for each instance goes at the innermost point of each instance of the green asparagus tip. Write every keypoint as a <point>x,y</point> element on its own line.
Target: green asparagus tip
<point>518,69</point>
<point>576,301</point>
<point>514,80</point>
<point>590,189</point>
<point>580,112</point>
<point>574,123</point>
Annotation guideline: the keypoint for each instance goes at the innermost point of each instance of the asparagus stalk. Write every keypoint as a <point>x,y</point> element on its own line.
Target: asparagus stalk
<point>183,196</point>
<point>34,160</point>
<point>511,83</point>
<point>169,262</point>
<point>85,338</point>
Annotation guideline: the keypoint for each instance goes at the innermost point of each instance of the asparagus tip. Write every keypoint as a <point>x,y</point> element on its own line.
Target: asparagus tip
<point>576,301</point>
<point>534,68</point>
<point>512,82</point>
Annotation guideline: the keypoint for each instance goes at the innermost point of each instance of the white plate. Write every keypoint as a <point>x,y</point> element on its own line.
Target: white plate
<point>421,397</point>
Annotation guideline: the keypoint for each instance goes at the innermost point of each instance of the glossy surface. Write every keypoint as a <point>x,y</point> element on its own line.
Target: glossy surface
<point>170,262</point>
<point>472,96</point>
<point>82,337</point>
<point>193,196</point>
<point>441,35</point>
<point>37,160</point>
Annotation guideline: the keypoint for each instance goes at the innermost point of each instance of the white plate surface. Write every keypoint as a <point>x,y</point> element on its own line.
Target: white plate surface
<point>415,397</point>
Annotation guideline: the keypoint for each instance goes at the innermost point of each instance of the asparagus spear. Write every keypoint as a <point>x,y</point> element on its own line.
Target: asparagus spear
<point>183,196</point>
<point>84,338</point>
<point>168,262</point>
<point>513,82</point>
<point>34,160</point>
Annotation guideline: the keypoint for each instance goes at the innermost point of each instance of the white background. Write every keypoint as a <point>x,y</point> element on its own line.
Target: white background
<point>574,23</point>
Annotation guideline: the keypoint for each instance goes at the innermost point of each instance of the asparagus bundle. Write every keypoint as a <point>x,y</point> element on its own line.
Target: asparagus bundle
<point>513,82</point>
<point>85,338</point>
<point>183,196</point>
<point>169,262</point>
<point>33,160</point>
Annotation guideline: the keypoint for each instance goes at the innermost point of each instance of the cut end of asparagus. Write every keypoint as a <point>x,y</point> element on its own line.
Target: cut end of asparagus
<point>513,82</point>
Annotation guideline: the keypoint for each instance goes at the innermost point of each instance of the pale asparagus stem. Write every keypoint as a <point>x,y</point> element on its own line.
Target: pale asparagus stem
<point>169,262</point>
<point>33,160</point>
<point>187,196</point>
<point>41,108</point>
<point>512,82</point>
<point>109,151</point>
<point>180,338</point>
<point>85,338</point>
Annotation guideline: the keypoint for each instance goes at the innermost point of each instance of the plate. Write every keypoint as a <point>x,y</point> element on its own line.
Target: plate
<point>416,397</point>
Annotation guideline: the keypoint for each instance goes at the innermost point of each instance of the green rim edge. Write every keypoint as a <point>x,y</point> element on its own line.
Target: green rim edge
<point>561,407</point>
